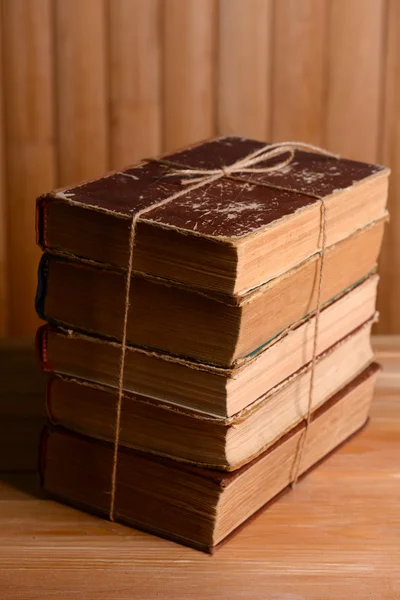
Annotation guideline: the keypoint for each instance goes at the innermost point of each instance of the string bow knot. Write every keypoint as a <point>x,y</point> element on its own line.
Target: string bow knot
<point>193,175</point>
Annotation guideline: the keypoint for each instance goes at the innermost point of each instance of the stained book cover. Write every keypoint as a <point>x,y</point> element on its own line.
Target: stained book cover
<point>218,211</point>
<point>205,234</point>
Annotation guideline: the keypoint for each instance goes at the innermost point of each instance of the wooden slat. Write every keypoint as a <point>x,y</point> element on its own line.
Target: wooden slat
<point>81,82</point>
<point>387,349</point>
<point>3,227</point>
<point>355,78</point>
<point>29,145</point>
<point>189,71</point>
<point>134,80</point>
<point>389,292</point>
<point>299,69</point>
<point>245,68</point>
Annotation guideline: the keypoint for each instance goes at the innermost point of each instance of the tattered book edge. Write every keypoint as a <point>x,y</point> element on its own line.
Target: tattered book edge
<point>208,549</point>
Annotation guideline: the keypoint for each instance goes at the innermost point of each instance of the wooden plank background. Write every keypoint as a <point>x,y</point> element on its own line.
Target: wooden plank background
<point>90,85</point>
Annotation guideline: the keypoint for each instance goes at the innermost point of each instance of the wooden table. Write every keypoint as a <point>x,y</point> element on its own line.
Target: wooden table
<point>337,535</point>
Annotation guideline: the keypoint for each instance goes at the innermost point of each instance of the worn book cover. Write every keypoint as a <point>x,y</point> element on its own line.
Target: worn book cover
<point>215,237</point>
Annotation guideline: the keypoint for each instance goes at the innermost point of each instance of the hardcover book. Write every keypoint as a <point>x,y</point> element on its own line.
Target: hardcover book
<point>214,238</point>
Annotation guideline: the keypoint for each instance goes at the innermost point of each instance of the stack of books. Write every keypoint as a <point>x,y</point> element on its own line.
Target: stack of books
<point>217,415</point>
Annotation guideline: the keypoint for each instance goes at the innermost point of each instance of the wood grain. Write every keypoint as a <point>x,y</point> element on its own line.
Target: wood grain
<point>134,71</point>
<point>244,49</point>
<point>29,146</point>
<point>299,70</point>
<point>356,31</point>
<point>3,199</point>
<point>82,93</point>
<point>93,84</point>
<point>188,71</point>
<point>389,293</point>
<point>336,536</point>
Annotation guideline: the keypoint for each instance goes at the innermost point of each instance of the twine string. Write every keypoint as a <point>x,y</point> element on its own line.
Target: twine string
<point>296,470</point>
<point>193,178</point>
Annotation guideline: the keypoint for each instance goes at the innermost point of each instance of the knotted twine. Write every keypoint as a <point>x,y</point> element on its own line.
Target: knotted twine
<point>194,178</point>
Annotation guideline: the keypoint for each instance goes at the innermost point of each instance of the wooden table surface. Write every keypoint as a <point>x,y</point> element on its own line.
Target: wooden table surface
<point>337,535</point>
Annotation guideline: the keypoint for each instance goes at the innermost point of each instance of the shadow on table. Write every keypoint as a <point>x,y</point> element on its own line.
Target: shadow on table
<point>28,483</point>
<point>22,414</point>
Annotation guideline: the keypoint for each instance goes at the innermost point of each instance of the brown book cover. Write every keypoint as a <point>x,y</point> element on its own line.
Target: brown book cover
<point>215,237</point>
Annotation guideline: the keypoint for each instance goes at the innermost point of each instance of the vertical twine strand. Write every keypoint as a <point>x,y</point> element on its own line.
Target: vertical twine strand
<point>122,368</point>
<point>304,433</point>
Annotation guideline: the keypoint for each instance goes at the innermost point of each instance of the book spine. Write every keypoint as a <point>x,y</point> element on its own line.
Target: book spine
<point>41,348</point>
<point>41,216</point>
<point>41,353</point>
<point>49,389</point>
<point>41,287</point>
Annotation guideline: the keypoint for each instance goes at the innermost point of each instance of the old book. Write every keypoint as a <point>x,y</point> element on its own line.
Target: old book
<point>185,323</point>
<point>222,443</point>
<point>192,505</point>
<point>228,236</point>
<point>216,391</point>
